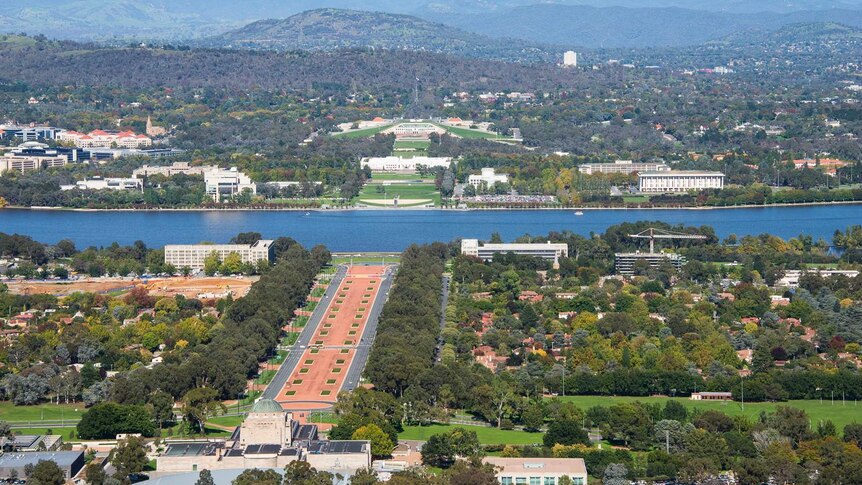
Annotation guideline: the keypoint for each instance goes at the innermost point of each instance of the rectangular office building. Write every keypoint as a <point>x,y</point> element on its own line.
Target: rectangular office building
<point>548,250</point>
<point>538,471</point>
<point>679,181</point>
<point>193,255</point>
<point>623,166</point>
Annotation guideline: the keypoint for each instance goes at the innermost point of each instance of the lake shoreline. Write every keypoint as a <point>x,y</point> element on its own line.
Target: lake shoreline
<point>448,209</point>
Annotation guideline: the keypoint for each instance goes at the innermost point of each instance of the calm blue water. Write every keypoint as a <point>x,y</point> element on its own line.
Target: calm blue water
<point>378,230</point>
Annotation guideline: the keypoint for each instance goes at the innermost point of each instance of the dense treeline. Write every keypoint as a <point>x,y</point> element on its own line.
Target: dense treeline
<point>51,64</point>
<point>248,332</point>
<point>410,321</point>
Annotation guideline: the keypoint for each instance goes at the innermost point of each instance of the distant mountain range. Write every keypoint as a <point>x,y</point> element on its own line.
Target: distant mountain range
<point>581,23</point>
<point>331,29</point>
<point>633,27</point>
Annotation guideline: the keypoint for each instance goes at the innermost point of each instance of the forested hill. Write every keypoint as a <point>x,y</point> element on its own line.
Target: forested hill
<point>331,29</point>
<point>43,63</point>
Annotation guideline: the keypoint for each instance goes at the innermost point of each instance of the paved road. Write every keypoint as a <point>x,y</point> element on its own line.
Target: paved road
<point>284,372</point>
<point>354,374</point>
<point>444,300</point>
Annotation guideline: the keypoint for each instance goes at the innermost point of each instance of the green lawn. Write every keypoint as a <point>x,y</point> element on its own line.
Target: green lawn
<point>367,258</point>
<point>318,292</point>
<point>411,144</point>
<point>422,191</point>
<point>66,433</point>
<point>487,436</point>
<point>300,321</point>
<point>840,414</point>
<point>636,199</point>
<point>468,133</point>
<point>226,420</point>
<point>48,412</point>
<point>265,377</point>
<point>279,357</point>
<point>366,133</point>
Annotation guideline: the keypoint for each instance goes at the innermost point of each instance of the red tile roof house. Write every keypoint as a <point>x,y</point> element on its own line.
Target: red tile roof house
<point>530,296</point>
<point>753,320</point>
<point>487,357</point>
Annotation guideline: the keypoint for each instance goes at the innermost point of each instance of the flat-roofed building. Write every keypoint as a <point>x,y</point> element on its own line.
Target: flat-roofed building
<point>791,276</point>
<point>176,168</point>
<point>538,471</point>
<point>27,159</point>
<point>15,464</point>
<point>193,255</point>
<point>548,250</point>
<point>98,183</point>
<point>415,129</point>
<point>29,133</point>
<point>626,263</point>
<point>711,396</point>
<point>488,178</point>
<point>679,181</point>
<point>398,164</point>
<point>623,166</point>
<point>222,183</point>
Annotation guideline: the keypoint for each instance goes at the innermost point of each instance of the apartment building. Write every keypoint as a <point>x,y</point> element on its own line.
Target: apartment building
<point>679,181</point>
<point>193,255</point>
<point>548,250</point>
<point>623,166</point>
<point>221,183</point>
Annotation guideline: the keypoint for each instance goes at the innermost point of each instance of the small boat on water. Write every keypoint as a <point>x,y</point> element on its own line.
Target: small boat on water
<point>579,213</point>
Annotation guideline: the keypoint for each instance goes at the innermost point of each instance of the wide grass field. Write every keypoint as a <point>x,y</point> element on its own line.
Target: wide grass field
<point>486,435</point>
<point>47,412</point>
<point>412,144</point>
<point>840,414</point>
<point>366,133</point>
<point>468,133</point>
<point>367,258</point>
<point>421,191</point>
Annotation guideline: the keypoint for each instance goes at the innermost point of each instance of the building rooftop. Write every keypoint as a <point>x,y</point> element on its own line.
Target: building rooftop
<point>683,172</point>
<point>16,460</point>
<point>545,465</point>
<point>266,405</point>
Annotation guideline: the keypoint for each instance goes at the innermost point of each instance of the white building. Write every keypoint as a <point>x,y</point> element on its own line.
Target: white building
<point>99,183</point>
<point>679,181</point>
<point>570,59</point>
<point>549,250</point>
<point>398,164</point>
<point>538,471</point>
<point>193,255</point>
<point>27,163</point>
<point>105,139</point>
<point>176,168</point>
<point>623,166</point>
<point>222,183</point>
<point>791,276</point>
<point>415,129</point>
<point>488,178</point>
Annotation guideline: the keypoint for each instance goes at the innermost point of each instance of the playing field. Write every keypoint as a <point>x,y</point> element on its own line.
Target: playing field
<point>411,144</point>
<point>324,365</point>
<point>47,412</point>
<point>486,435</point>
<point>840,414</point>
<point>411,194</point>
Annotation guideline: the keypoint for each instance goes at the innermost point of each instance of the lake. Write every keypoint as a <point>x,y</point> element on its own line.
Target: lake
<point>393,230</point>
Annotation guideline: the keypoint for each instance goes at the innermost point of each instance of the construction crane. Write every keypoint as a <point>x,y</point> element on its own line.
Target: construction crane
<point>653,233</point>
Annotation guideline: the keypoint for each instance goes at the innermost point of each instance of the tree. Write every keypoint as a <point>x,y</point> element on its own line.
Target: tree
<point>163,407</point>
<point>615,474</point>
<point>853,434</point>
<point>95,473</point>
<point>199,404</point>
<point>107,420</point>
<point>212,263</point>
<point>533,417</point>
<point>205,478</point>
<point>565,432</point>
<point>129,457</point>
<point>438,451</point>
<point>301,473</point>
<point>46,473</point>
<point>381,445</point>
<point>674,410</point>
<point>364,476</point>
<point>256,476</point>
<point>232,264</point>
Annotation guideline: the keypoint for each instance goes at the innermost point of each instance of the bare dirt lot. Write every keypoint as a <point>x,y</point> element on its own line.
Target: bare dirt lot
<point>189,287</point>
